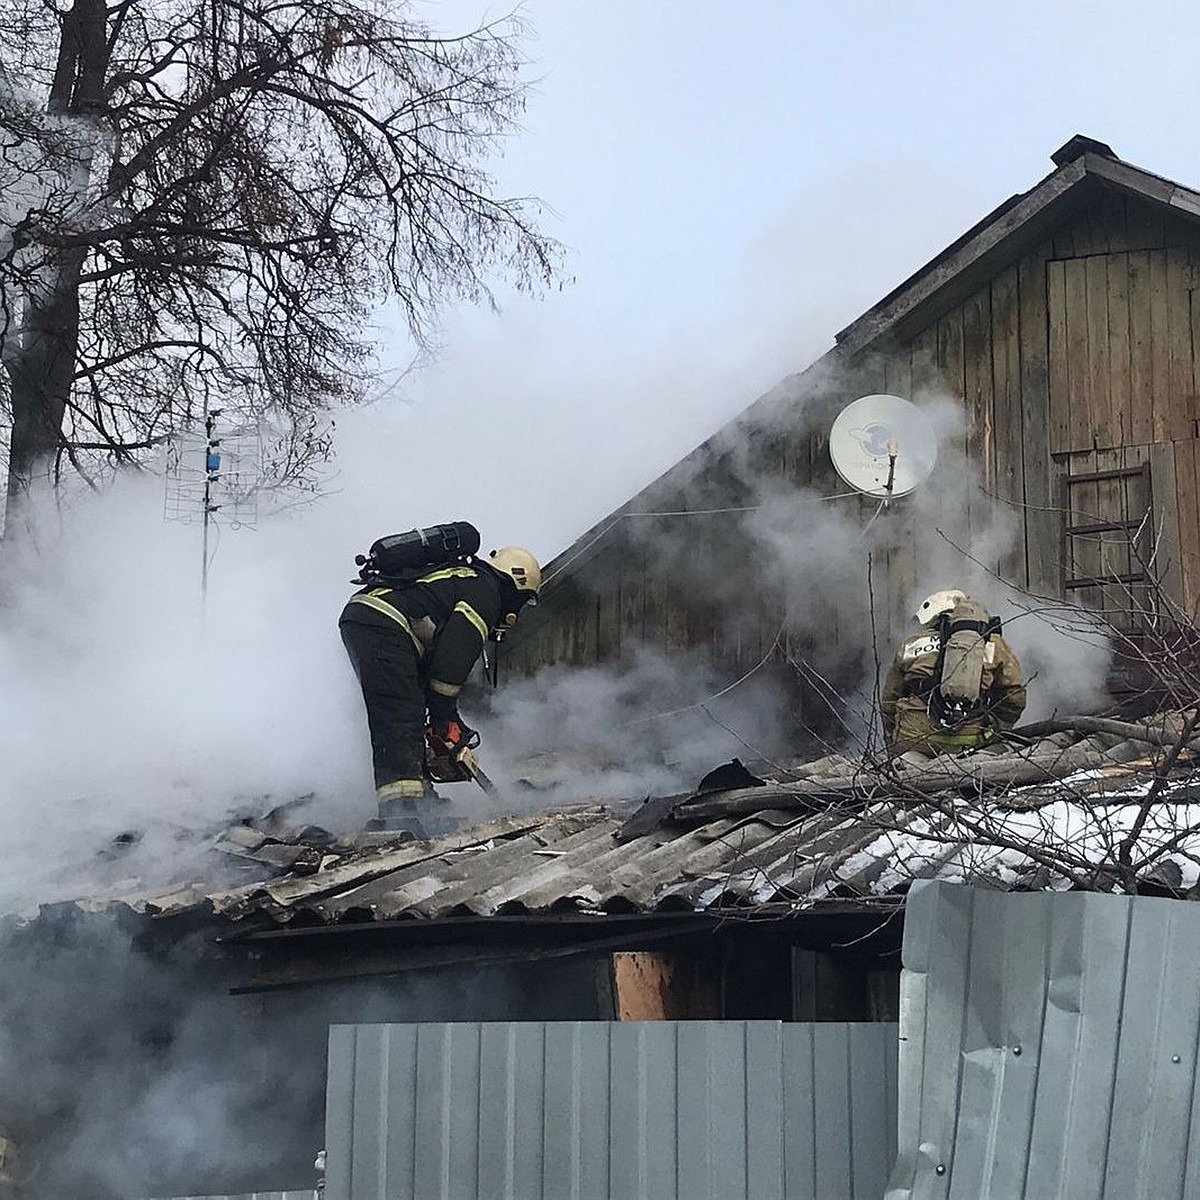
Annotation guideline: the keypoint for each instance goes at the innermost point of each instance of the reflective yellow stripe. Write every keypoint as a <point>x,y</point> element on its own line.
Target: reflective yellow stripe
<point>444,689</point>
<point>448,573</point>
<point>467,611</point>
<point>371,600</point>
<point>401,789</point>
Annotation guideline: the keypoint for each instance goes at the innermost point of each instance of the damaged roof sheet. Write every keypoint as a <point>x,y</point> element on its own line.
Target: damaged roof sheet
<point>1067,810</point>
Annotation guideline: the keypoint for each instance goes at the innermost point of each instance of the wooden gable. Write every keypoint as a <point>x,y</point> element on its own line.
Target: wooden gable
<point>1066,325</point>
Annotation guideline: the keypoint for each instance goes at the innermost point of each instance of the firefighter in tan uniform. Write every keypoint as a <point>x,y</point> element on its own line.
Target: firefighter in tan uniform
<point>954,683</point>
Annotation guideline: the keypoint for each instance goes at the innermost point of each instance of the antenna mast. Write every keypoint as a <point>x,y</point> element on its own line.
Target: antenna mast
<point>221,491</point>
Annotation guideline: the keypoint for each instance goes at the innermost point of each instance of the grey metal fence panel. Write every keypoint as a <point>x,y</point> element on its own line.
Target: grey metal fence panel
<point>306,1194</point>
<point>662,1110</point>
<point>1048,1047</point>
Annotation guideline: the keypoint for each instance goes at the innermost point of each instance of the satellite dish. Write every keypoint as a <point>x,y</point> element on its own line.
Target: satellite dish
<point>882,446</point>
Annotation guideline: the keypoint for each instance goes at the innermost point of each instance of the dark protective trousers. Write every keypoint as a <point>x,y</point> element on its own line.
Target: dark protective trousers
<point>386,665</point>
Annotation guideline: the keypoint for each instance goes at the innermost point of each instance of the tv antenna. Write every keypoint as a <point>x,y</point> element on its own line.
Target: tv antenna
<point>213,477</point>
<point>883,446</point>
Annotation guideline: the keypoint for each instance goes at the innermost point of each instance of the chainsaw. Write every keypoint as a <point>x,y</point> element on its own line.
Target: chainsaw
<point>449,762</point>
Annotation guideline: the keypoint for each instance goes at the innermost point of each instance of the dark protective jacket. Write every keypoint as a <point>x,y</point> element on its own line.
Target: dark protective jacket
<point>906,719</point>
<point>447,613</point>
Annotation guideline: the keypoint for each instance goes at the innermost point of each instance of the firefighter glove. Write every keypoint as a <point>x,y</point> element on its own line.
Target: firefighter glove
<point>452,735</point>
<point>442,709</point>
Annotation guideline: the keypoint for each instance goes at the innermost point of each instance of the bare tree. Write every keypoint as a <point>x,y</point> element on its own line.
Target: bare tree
<point>204,200</point>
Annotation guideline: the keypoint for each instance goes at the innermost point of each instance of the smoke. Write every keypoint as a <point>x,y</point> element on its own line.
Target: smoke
<point>128,1069</point>
<point>648,725</point>
<point>848,572</point>
<point>130,706</point>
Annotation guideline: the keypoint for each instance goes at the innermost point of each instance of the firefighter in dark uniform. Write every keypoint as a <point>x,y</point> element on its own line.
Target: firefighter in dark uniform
<point>413,646</point>
<point>911,729</point>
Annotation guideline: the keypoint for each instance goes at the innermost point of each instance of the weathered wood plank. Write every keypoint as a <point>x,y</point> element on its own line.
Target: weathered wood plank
<point>1081,404</point>
<point>1141,354</point>
<point>1194,318</point>
<point>926,380</point>
<point>633,586</point>
<point>583,631</point>
<point>1107,222</point>
<point>654,602</point>
<point>1166,561</point>
<point>951,372</point>
<point>1160,348</point>
<point>1042,519</point>
<point>1112,216</point>
<point>1144,222</point>
<point>977,378</point>
<point>1059,368</point>
<point>1006,401</point>
<point>1065,234</point>
<point>649,985</point>
<point>563,644</point>
<point>950,353</point>
<point>1112,546</point>
<point>1118,350</point>
<point>608,619</point>
<point>1139,506</point>
<point>897,376</point>
<point>1083,550</point>
<point>1098,349</point>
<point>1188,514</point>
<point>1088,235</point>
<point>1180,378</point>
<point>675,622</point>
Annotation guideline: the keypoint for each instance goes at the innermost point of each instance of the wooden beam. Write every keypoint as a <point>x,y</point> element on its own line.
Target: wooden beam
<point>653,985</point>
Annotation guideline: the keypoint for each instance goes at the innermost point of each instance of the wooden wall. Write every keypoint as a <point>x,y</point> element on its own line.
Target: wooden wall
<point>1078,368</point>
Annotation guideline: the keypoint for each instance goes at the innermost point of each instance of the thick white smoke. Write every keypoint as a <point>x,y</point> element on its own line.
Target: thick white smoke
<point>128,708</point>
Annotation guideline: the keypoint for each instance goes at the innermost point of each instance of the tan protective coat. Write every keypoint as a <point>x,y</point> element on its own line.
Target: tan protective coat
<point>907,723</point>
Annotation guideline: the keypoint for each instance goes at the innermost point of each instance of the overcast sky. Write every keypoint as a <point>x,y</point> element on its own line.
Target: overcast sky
<point>734,183</point>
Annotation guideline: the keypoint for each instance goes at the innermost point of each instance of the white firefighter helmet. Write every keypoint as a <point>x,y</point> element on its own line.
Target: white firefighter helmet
<point>934,606</point>
<point>520,566</point>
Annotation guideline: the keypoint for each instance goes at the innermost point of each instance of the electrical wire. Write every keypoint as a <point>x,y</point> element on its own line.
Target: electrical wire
<point>716,695</point>
<point>685,512</point>
<point>762,662</point>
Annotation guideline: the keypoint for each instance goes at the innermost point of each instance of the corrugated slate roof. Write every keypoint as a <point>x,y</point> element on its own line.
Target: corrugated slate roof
<point>832,829</point>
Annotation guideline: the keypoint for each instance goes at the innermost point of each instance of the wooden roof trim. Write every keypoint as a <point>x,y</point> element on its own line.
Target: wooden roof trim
<point>1145,184</point>
<point>1010,219</point>
<point>932,278</point>
<point>594,540</point>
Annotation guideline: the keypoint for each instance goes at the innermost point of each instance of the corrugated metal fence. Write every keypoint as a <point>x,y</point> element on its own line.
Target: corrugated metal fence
<point>306,1194</point>
<point>1048,1047</point>
<point>694,1110</point>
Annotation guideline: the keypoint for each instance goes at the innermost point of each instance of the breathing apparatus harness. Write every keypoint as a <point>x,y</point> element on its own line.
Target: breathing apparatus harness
<point>953,693</point>
<point>402,559</point>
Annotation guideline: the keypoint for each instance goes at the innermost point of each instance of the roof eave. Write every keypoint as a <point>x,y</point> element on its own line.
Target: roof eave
<point>1017,224</point>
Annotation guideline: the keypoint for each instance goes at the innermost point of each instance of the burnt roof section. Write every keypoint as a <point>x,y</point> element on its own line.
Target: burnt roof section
<point>1049,812</point>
